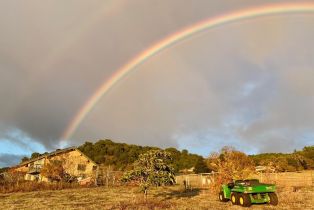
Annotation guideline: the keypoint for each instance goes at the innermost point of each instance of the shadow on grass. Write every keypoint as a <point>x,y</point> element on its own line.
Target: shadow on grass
<point>178,194</point>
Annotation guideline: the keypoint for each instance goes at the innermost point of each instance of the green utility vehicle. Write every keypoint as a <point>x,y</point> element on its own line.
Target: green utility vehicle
<point>247,192</point>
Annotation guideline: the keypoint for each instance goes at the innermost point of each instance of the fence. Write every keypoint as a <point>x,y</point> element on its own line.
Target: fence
<point>108,177</point>
<point>196,180</point>
<point>111,178</point>
<point>289,179</point>
<point>304,178</point>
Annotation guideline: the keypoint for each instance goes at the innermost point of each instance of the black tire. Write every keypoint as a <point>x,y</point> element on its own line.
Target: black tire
<point>244,200</point>
<point>222,197</point>
<point>273,199</point>
<point>234,197</point>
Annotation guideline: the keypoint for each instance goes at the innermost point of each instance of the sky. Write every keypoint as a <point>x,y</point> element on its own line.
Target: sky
<point>247,84</point>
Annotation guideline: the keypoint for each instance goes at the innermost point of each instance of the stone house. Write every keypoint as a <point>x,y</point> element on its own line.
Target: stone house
<point>74,162</point>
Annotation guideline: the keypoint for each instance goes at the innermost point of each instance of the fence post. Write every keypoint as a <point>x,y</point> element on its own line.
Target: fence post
<point>107,177</point>
<point>202,180</point>
<point>96,176</point>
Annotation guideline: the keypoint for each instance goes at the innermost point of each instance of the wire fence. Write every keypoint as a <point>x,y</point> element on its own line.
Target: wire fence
<point>304,178</point>
<point>285,179</point>
<point>196,180</point>
<point>108,178</point>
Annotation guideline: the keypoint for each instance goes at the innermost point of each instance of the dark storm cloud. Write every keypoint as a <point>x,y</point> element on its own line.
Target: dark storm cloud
<point>9,159</point>
<point>52,59</point>
<point>234,84</point>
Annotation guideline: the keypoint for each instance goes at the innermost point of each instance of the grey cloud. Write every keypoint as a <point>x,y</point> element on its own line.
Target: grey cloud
<point>9,159</point>
<point>52,60</point>
<point>197,93</point>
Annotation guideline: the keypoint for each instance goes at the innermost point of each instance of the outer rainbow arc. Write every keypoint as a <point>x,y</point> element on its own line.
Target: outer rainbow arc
<point>173,39</point>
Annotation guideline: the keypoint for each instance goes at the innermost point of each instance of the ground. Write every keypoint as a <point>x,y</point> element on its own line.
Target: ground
<point>130,198</point>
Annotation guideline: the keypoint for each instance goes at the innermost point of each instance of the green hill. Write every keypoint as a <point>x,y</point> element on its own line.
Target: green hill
<point>296,161</point>
<point>121,155</point>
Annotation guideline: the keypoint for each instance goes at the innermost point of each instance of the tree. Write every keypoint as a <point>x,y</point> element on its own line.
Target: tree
<point>24,159</point>
<point>230,164</point>
<point>152,168</point>
<point>308,154</point>
<point>3,169</point>
<point>35,155</point>
<point>53,170</point>
<point>200,166</point>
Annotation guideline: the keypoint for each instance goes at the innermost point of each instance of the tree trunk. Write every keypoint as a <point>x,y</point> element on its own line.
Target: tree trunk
<point>145,194</point>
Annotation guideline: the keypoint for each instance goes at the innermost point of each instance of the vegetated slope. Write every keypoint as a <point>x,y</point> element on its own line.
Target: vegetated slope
<point>121,155</point>
<point>296,161</point>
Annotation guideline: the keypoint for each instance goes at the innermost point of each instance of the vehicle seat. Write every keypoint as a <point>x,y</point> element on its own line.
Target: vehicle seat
<point>230,185</point>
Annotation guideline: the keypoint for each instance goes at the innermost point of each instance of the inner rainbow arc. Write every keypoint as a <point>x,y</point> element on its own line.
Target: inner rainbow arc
<point>173,39</point>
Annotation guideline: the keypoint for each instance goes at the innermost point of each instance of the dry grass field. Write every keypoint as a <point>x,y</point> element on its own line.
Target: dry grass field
<point>295,191</point>
<point>130,198</point>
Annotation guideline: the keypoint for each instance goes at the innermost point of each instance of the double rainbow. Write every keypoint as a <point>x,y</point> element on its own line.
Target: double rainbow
<point>173,39</point>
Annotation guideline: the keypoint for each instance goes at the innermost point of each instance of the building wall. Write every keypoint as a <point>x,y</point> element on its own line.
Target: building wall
<point>38,162</point>
<point>30,177</point>
<point>25,168</point>
<point>76,164</point>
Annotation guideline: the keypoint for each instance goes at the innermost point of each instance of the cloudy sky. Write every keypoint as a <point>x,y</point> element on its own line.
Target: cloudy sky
<point>247,84</point>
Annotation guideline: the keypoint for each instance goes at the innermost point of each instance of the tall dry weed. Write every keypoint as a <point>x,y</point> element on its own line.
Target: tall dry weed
<point>29,186</point>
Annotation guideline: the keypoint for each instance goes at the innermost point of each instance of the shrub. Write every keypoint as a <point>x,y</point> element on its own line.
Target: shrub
<point>28,186</point>
<point>53,170</point>
<point>230,164</point>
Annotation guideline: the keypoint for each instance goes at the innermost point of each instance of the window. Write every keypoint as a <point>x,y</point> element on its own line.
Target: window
<point>81,167</point>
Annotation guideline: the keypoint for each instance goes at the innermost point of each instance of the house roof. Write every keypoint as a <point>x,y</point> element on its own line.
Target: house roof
<point>59,151</point>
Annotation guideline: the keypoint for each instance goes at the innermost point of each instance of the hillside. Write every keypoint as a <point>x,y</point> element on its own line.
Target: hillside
<point>296,161</point>
<point>121,155</point>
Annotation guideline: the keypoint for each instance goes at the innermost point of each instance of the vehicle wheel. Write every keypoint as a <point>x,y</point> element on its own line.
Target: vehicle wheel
<point>273,199</point>
<point>222,197</point>
<point>234,197</point>
<point>244,200</point>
